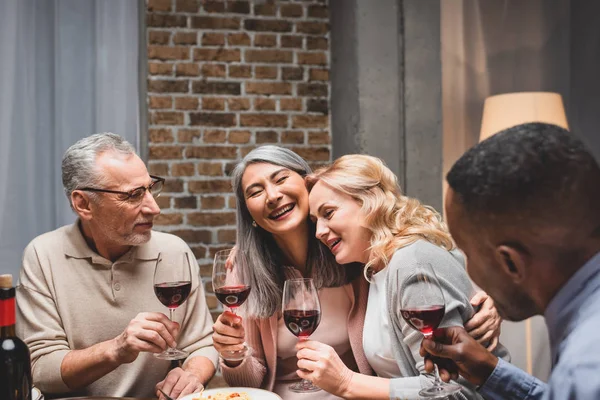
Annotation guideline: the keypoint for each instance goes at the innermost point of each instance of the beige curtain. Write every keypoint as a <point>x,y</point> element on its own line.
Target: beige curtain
<point>500,46</point>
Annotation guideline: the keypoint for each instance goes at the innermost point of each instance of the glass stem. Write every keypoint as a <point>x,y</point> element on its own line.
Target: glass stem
<point>437,381</point>
<point>171,311</point>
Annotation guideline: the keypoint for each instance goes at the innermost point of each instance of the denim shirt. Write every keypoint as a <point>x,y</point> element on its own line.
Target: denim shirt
<point>573,319</point>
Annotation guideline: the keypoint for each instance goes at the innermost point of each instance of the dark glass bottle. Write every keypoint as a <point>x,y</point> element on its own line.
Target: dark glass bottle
<point>15,365</point>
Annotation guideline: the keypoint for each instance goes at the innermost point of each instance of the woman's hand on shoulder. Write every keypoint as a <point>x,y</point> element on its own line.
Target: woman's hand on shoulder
<point>320,364</point>
<point>228,332</point>
<point>485,325</point>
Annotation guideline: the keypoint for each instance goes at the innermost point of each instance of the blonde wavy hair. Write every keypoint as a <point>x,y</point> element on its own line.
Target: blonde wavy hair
<point>395,220</point>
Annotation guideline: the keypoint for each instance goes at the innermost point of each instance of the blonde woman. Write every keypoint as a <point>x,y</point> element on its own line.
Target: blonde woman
<point>362,216</point>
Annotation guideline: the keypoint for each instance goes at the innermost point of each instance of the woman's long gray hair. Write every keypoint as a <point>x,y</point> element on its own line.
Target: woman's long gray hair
<point>261,253</point>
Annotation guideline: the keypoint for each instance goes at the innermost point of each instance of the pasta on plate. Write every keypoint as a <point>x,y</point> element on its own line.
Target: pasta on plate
<point>225,396</point>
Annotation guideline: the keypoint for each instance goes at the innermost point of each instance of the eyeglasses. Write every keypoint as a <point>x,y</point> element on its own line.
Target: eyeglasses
<point>136,195</point>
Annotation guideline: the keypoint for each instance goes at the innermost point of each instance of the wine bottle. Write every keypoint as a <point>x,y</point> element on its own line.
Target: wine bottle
<point>15,365</point>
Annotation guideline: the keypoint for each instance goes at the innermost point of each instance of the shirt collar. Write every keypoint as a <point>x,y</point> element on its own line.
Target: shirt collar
<point>76,247</point>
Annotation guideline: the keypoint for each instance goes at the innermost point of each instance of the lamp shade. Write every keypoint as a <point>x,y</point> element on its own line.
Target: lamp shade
<point>503,111</point>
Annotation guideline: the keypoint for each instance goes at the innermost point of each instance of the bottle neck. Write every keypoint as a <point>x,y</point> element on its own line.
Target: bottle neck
<point>7,312</point>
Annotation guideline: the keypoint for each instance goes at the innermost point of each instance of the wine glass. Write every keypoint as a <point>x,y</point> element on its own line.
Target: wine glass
<point>172,286</point>
<point>423,307</point>
<point>231,284</point>
<point>301,314</point>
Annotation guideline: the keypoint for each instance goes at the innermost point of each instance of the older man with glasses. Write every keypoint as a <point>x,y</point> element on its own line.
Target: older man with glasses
<point>86,303</point>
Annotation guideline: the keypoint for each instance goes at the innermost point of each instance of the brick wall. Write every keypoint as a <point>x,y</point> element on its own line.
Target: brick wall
<point>225,77</point>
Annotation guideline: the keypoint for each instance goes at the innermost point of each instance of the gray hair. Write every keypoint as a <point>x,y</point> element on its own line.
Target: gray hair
<point>261,252</point>
<point>79,162</point>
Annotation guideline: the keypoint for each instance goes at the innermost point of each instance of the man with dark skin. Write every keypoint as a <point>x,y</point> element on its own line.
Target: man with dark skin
<point>524,206</point>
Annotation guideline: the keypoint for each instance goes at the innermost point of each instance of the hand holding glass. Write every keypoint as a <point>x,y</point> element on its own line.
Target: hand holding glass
<point>423,307</point>
<point>231,283</point>
<point>301,314</point>
<point>172,286</point>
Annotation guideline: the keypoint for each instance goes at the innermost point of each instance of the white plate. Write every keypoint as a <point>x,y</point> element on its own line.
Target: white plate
<point>256,394</point>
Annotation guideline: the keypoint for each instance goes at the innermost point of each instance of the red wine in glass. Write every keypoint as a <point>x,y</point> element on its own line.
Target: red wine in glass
<point>173,294</point>
<point>302,323</point>
<point>172,286</point>
<point>231,284</point>
<point>233,296</point>
<point>422,306</point>
<point>425,319</point>
<point>301,314</point>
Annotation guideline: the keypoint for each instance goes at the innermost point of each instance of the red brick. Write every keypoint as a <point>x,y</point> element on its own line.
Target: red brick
<point>317,11</point>
<point>239,137</point>
<point>268,88</point>
<point>268,56</point>
<point>312,89</point>
<point>317,43</point>
<point>188,135</point>
<point>264,104</point>
<point>211,218</point>
<point>165,21</point>
<point>186,38</point>
<point>238,39</point>
<point>214,136</point>
<point>168,53</point>
<point>167,86</point>
<point>213,103</point>
<point>173,186</point>
<point>213,39</point>
<point>160,135</point>
<point>188,6</point>
<point>210,169</point>
<point>212,202</point>
<point>159,169</point>
<point>292,73</point>
<point>310,121</point>
<point>319,74</point>
<point>167,118</point>
<point>238,104</point>
<point>312,58</point>
<point>216,87</point>
<point>212,186</point>
<point>193,235</point>
<point>229,166</point>
<point>267,120</point>
<point>265,9</point>
<point>169,219</point>
<point>292,10</point>
<point>163,202</point>
<point>240,71</point>
<point>182,169</point>
<point>312,153</point>
<point>293,137</point>
<point>159,5</point>
<point>212,119</point>
<point>221,54</point>
<point>157,68</point>
<point>318,106</point>
<point>264,72</point>
<point>159,37</point>
<point>312,28</point>
<point>292,41</point>
<point>217,6</point>
<point>290,104</point>
<point>160,102</point>
<point>214,23</point>
<point>226,236</point>
<point>187,69</point>
<point>265,40</point>
<point>267,137</point>
<point>232,202</point>
<point>319,138</point>
<point>210,152</point>
<point>238,7</point>
<point>186,103</point>
<point>270,25</point>
<point>165,152</point>
<point>214,70</point>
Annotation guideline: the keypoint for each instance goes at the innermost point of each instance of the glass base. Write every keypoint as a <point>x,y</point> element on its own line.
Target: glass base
<point>440,391</point>
<point>237,355</point>
<point>172,354</point>
<point>304,386</point>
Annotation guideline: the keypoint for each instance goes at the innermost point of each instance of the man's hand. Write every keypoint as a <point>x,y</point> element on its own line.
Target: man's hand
<point>484,326</point>
<point>178,383</point>
<point>149,332</point>
<point>469,358</point>
<point>320,364</point>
